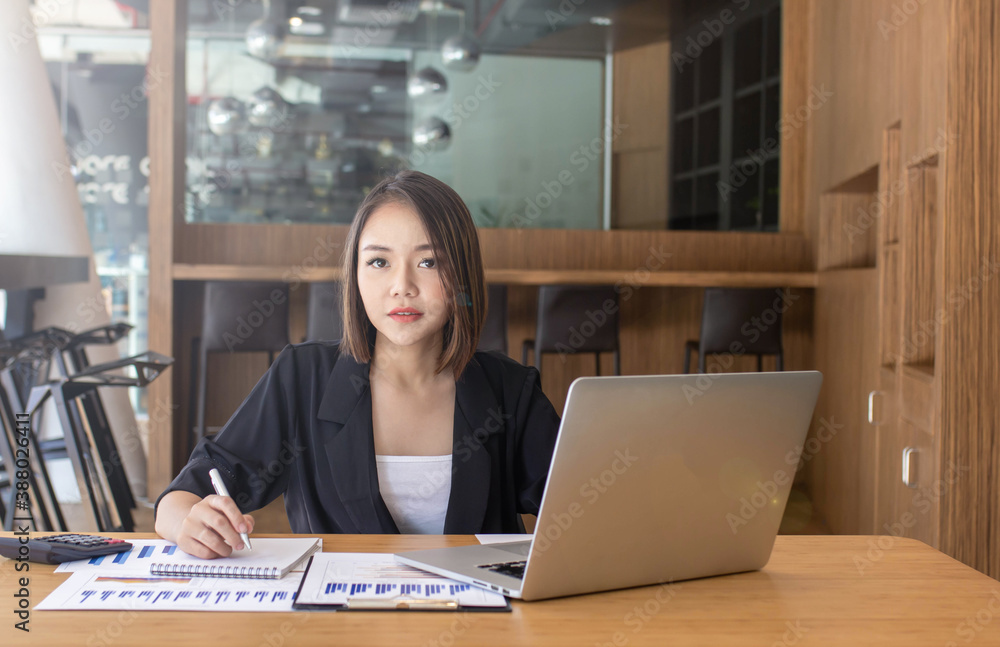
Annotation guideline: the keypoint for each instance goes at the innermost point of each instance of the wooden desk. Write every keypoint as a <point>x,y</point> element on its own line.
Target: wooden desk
<point>811,593</point>
<point>675,278</point>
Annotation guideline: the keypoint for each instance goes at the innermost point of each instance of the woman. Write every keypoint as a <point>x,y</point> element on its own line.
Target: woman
<point>402,426</point>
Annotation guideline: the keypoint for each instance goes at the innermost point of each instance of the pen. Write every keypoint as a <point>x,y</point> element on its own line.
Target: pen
<point>220,489</point>
<point>401,603</point>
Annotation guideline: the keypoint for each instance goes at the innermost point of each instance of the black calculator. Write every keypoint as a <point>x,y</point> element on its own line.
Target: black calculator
<point>56,549</point>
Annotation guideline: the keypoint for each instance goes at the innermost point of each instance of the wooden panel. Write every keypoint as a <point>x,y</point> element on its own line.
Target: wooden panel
<point>848,237</point>
<point>642,97</point>
<point>890,187</point>
<point>969,354</point>
<point>919,507</point>
<point>889,305</point>
<point>167,107</point>
<point>917,397</point>
<point>922,53</point>
<point>877,70</point>
<point>853,67</point>
<point>842,471</point>
<point>520,277</point>
<point>917,278</point>
<point>889,447</point>
<point>640,189</point>
<point>207,272</point>
<point>301,247</point>
<point>795,214</point>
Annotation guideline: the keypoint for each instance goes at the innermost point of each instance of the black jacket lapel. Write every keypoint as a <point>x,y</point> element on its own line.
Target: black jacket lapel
<point>350,450</point>
<point>477,417</point>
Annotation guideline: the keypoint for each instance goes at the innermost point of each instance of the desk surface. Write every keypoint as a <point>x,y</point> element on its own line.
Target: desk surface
<point>674,278</point>
<point>815,591</point>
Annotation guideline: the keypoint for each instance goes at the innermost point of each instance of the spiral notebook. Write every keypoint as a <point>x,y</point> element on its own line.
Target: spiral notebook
<point>271,558</point>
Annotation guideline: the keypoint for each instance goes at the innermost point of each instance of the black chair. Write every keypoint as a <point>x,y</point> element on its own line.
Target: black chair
<point>494,335</point>
<point>739,321</point>
<point>239,317</point>
<point>26,363</point>
<point>325,321</point>
<point>575,319</point>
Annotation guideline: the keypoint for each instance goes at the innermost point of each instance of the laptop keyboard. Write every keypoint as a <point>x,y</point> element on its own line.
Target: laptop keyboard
<point>511,569</point>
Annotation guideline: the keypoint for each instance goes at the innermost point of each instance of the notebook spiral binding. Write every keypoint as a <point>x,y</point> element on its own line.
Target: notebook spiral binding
<point>215,570</point>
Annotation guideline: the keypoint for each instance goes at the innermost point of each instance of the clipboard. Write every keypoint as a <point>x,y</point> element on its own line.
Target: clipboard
<point>392,595</point>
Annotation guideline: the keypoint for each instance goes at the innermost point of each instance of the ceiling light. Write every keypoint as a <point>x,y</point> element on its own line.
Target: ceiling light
<point>432,134</point>
<point>295,21</point>
<point>264,36</point>
<point>226,116</point>
<point>460,53</point>
<point>425,83</point>
<point>603,21</point>
<point>266,108</point>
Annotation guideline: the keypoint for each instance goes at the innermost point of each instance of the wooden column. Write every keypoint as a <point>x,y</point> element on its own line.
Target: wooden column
<point>970,339</point>
<point>167,114</point>
<point>642,152</point>
<point>796,23</point>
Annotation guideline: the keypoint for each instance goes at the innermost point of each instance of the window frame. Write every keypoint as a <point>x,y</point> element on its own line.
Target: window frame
<point>726,169</point>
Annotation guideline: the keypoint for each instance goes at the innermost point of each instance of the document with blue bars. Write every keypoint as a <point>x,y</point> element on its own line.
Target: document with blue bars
<point>92,590</point>
<point>346,581</point>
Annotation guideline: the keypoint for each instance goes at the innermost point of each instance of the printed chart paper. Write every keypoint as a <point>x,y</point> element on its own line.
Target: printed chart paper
<point>90,590</point>
<point>337,578</point>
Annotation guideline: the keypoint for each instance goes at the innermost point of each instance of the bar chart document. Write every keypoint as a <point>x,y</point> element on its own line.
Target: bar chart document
<point>94,591</point>
<point>346,581</point>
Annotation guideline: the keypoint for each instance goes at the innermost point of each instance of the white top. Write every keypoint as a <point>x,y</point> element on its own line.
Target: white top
<point>416,490</point>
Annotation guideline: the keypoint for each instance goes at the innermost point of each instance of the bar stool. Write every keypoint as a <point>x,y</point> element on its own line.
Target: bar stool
<point>727,322</point>
<point>325,321</point>
<point>87,439</point>
<point>575,319</point>
<point>239,317</point>
<point>494,335</point>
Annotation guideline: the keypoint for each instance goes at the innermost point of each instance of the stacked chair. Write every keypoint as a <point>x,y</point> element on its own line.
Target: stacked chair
<point>52,363</point>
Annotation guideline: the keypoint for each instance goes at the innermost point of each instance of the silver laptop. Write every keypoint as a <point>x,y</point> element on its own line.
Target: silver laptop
<point>654,479</point>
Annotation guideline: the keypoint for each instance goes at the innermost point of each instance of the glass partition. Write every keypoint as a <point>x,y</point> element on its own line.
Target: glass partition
<point>295,112</point>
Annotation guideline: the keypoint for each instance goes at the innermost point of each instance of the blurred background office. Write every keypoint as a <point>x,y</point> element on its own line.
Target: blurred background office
<point>660,186</point>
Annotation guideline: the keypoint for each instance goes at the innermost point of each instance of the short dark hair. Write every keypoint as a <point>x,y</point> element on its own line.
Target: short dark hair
<point>457,254</point>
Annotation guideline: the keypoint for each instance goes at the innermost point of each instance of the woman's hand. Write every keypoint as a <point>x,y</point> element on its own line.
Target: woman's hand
<point>206,528</point>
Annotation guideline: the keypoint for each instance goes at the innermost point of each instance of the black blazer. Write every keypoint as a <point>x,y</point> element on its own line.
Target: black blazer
<point>305,431</point>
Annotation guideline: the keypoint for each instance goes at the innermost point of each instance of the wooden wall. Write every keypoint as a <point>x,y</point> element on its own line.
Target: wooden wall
<point>846,352</point>
<point>870,66</point>
<point>872,69</point>
<point>641,155</point>
<point>969,350</point>
<point>921,76</point>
